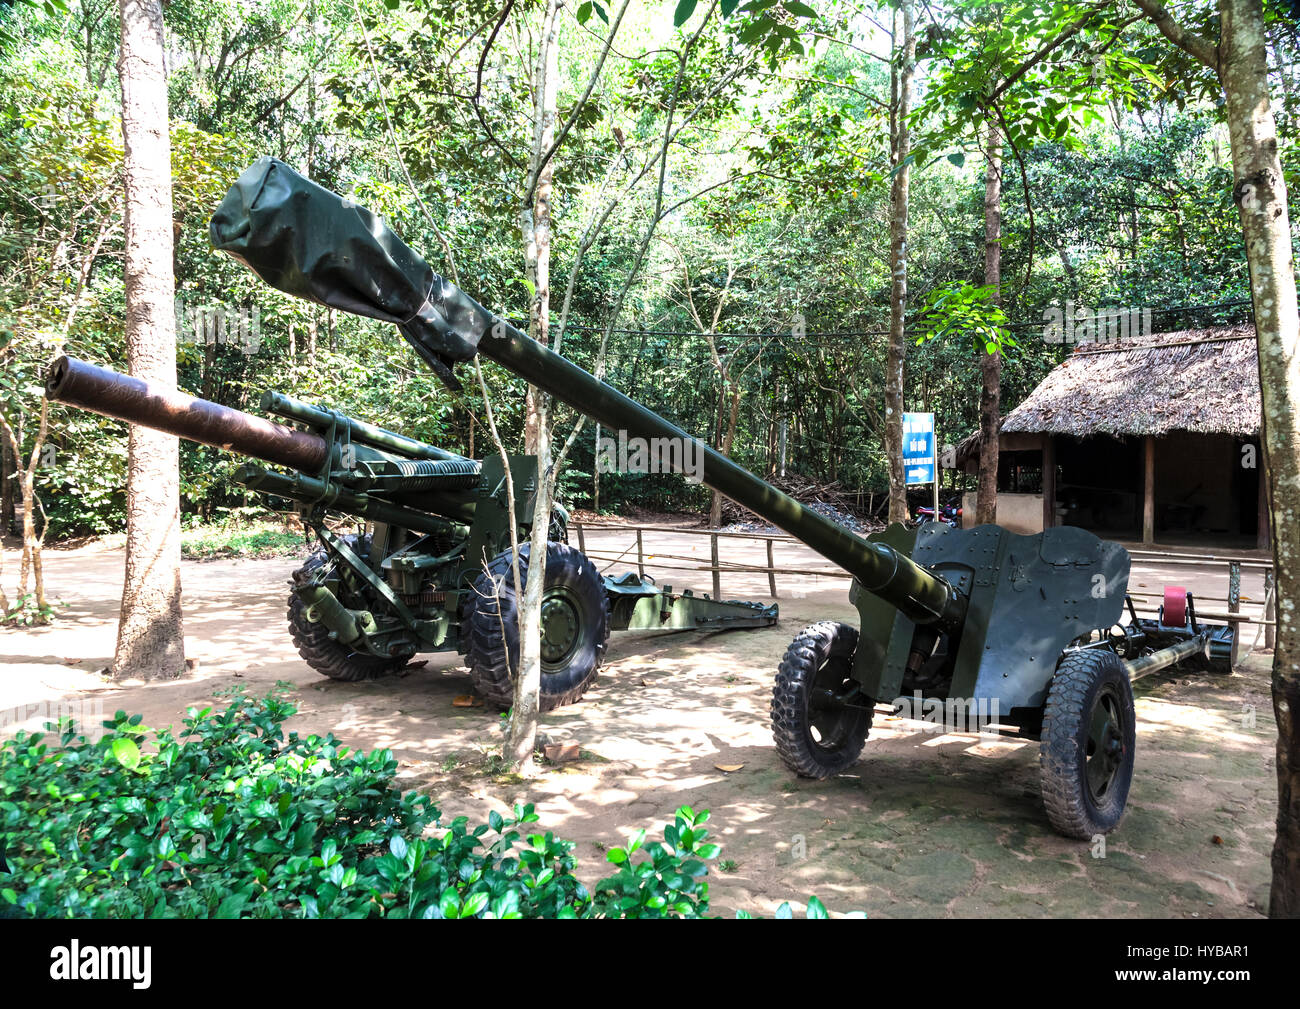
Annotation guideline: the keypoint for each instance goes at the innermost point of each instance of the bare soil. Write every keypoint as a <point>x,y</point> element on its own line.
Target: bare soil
<point>924,825</point>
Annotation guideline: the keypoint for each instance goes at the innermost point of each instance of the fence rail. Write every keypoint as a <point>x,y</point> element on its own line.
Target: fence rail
<point>1143,602</point>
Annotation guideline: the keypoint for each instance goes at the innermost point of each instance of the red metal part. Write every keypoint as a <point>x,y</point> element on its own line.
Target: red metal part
<point>1175,614</point>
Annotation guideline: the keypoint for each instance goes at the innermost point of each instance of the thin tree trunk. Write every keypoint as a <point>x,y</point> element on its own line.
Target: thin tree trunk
<point>986,508</point>
<point>6,488</point>
<point>904,66</point>
<point>1260,192</point>
<point>536,221</point>
<point>719,432</point>
<point>150,640</point>
<point>1259,188</point>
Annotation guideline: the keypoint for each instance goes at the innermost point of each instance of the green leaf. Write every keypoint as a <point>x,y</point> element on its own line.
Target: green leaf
<point>231,906</point>
<point>685,8</point>
<point>127,753</point>
<point>799,9</point>
<point>474,903</point>
<point>816,909</point>
<point>958,158</point>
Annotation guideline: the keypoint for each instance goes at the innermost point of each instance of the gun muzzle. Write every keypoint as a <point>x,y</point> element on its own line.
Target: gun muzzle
<point>136,401</point>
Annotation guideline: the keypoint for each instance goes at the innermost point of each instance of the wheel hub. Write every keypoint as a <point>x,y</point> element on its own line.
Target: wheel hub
<point>560,627</point>
<point>827,712</point>
<point>1105,750</point>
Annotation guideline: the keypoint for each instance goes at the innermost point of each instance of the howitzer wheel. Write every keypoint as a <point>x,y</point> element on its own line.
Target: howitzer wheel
<point>1087,744</point>
<point>328,657</point>
<point>817,732</point>
<point>575,627</point>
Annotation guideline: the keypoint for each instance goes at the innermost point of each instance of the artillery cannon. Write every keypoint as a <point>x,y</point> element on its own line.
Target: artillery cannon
<point>1024,627</point>
<point>362,606</point>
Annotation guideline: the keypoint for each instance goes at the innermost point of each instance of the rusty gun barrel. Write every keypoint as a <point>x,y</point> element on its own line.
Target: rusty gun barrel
<point>136,401</point>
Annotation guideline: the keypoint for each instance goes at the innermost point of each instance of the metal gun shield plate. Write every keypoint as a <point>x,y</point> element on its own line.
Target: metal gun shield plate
<point>1029,597</point>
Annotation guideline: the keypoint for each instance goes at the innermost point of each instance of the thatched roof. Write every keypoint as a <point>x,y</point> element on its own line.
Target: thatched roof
<point>1204,380</point>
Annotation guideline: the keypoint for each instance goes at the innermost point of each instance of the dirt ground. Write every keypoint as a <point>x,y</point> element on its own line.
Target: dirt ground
<point>924,825</point>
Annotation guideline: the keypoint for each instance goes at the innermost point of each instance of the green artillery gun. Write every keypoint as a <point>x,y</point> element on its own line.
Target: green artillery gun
<point>1027,627</point>
<point>432,572</point>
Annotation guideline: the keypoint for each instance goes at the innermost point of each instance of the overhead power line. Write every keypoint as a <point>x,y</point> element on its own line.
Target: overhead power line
<point>854,333</point>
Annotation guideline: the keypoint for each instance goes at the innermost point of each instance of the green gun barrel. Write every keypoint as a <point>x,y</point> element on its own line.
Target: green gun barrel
<point>306,489</point>
<point>359,431</point>
<point>918,593</point>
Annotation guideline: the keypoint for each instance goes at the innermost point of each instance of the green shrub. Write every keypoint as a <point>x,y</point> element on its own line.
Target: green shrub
<point>257,539</point>
<point>234,819</point>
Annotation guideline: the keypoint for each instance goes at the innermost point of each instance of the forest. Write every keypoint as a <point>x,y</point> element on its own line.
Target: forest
<point>760,303</point>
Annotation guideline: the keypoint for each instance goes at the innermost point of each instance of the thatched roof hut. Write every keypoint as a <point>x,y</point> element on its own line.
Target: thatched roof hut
<point>1199,380</point>
<point>1204,380</point>
<point>1147,433</point>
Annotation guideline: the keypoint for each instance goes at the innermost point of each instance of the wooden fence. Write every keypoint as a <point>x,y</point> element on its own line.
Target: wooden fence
<point>1226,608</point>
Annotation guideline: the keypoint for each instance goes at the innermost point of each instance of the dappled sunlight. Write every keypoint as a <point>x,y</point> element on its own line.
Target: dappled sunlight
<point>925,823</point>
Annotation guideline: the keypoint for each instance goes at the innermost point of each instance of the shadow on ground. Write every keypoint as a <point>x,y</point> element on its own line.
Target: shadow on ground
<point>923,825</point>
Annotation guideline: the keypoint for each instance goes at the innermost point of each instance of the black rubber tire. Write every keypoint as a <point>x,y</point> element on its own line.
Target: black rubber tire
<point>821,655</point>
<point>493,652</point>
<point>330,658</point>
<point>1084,680</point>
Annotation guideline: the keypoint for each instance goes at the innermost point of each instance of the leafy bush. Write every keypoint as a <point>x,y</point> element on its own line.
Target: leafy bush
<point>261,539</point>
<point>25,611</point>
<point>234,819</point>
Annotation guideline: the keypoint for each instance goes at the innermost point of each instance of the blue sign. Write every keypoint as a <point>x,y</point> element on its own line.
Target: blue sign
<point>918,448</point>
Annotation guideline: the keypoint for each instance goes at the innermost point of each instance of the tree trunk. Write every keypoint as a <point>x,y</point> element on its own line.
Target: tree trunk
<point>150,641</point>
<point>536,221</point>
<point>728,442</point>
<point>720,434</point>
<point>1260,193</point>
<point>986,508</point>
<point>6,488</point>
<point>898,200</point>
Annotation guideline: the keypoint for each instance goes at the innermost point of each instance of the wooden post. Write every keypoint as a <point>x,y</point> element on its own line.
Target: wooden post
<point>582,540</point>
<point>1270,609</point>
<point>771,571</point>
<point>717,575</point>
<point>1049,481</point>
<point>640,554</point>
<point>1234,606</point>
<point>1149,493</point>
